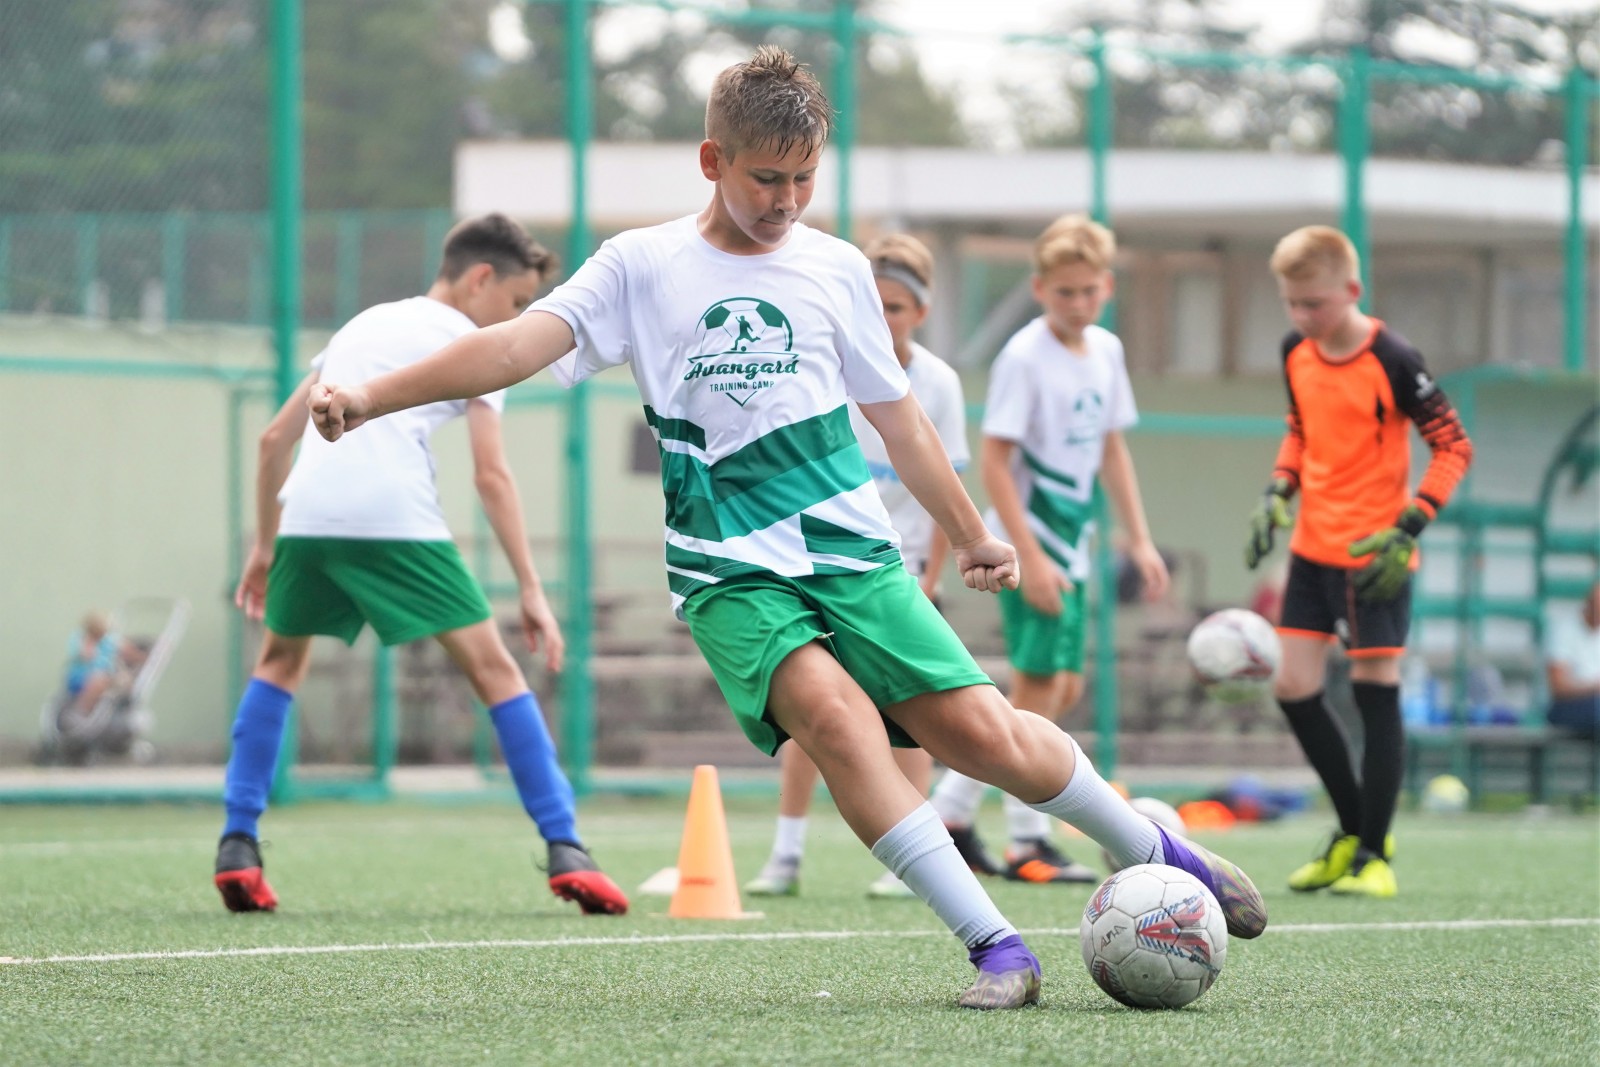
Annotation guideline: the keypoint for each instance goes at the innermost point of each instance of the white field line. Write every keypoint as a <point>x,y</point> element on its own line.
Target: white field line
<point>684,939</point>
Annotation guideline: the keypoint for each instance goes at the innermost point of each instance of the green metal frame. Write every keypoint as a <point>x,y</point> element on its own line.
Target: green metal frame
<point>280,284</point>
<point>1471,607</point>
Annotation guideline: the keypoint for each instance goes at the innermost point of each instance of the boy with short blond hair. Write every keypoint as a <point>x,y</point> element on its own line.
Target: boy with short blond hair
<point>749,334</point>
<point>1059,402</point>
<point>1355,387</point>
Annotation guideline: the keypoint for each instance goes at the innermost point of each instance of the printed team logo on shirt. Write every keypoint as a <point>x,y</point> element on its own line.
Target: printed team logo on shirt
<point>745,344</point>
<point>1088,414</point>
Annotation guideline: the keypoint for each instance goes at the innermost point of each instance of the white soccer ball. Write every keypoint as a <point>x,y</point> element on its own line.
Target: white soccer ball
<point>1445,795</point>
<point>1157,811</point>
<point>1153,936</point>
<point>1235,653</point>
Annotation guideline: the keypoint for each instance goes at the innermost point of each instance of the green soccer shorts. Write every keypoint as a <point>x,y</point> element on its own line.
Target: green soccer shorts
<point>887,635</point>
<point>1042,644</point>
<point>405,589</point>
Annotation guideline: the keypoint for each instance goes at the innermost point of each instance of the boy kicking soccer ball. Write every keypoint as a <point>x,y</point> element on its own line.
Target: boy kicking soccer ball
<point>1355,389</point>
<point>749,334</point>
<point>902,267</point>
<point>359,539</point>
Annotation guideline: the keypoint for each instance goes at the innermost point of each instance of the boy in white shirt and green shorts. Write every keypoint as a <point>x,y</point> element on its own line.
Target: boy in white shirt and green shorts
<point>902,267</point>
<point>749,334</point>
<point>354,536</point>
<point>1059,403</point>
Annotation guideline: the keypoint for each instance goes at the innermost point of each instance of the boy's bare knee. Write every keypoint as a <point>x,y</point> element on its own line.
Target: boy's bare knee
<point>283,660</point>
<point>828,732</point>
<point>496,676</point>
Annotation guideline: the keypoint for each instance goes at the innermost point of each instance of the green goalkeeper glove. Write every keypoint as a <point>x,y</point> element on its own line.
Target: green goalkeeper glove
<point>1386,573</point>
<point>1271,514</point>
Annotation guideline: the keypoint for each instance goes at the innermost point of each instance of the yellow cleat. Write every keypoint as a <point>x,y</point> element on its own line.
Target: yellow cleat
<point>1333,864</point>
<point>1374,879</point>
<point>1328,868</point>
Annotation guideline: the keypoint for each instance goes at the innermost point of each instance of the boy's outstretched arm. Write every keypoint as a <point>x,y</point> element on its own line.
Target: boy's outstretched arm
<point>919,458</point>
<point>492,358</point>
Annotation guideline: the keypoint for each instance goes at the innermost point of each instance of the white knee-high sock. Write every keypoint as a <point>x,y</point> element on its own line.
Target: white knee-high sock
<point>790,841</point>
<point>1024,822</point>
<point>1099,811</point>
<point>956,798</point>
<point>920,853</point>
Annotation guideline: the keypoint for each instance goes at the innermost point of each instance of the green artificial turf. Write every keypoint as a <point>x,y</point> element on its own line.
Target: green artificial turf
<point>1470,965</point>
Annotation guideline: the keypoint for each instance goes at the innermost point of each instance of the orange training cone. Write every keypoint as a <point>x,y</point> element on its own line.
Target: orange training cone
<point>706,886</point>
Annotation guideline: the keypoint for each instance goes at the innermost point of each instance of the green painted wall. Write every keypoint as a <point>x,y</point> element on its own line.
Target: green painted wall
<point>116,487</point>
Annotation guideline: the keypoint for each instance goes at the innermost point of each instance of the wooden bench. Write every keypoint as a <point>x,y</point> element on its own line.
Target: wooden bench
<point>1532,751</point>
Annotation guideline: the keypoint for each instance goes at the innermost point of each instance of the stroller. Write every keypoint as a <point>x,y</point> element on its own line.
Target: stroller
<point>149,629</point>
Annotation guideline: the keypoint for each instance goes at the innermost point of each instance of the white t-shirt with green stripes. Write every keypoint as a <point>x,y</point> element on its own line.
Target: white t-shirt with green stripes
<point>1057,406</point>
<point>746,365</point>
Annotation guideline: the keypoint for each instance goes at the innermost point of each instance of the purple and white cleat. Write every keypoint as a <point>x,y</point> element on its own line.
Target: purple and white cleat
<point>1008,976</point>
<point>1241,901</point>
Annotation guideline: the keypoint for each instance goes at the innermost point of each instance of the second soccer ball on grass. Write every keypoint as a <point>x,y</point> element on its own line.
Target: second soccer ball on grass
<point>1235,653</point>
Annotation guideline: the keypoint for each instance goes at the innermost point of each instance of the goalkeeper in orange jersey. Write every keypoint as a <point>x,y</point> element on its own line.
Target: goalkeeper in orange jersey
<point>1355,386</point>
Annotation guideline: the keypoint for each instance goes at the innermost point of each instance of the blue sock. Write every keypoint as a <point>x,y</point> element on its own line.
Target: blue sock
<point>531,757</point>
<point>257,732</point>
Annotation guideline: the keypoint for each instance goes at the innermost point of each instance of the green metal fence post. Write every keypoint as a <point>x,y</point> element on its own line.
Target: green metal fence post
<point>1102,118</point>
<point>5,264</point>
<point>385,732</point>
<point>577,725</point>
<point>435,226</point>
<point>1355,145</point>
<point>174,252</point>
<point>1578,116</point>
<point>88,262</point>
<point>286,188</point>
<point>347,266</point>
<point>845,94</point>
<point>235,675</point>
<point>286,236</point>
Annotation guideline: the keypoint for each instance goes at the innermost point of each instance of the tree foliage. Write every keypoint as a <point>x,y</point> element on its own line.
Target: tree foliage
<point>156,105</point>
<point>101,111</point>
<point>652,85</point>
<point>1498,38</point>
<point>1161,103</point>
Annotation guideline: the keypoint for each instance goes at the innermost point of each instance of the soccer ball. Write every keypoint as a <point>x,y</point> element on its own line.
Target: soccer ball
<point>1235,653</point>
<point>1153,936</point>
<point>1445,795</point>
<point>1157,811</point>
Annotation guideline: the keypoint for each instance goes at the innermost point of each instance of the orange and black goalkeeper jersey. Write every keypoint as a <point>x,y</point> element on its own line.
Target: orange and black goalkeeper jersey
<point>1348,448</point>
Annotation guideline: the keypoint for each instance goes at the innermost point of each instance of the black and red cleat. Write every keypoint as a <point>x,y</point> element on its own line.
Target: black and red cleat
<point>574,876</point>
<point>971,848</point>
<point>239,876</point>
